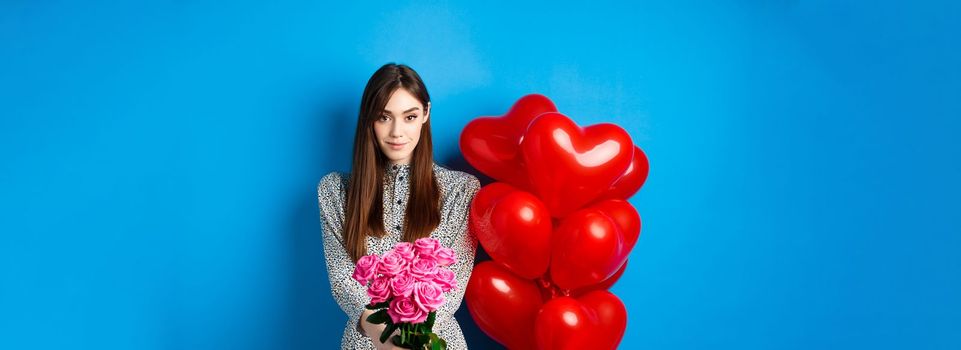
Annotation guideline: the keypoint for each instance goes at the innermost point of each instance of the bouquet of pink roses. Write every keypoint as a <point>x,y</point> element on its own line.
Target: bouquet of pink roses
<point>406,285</point>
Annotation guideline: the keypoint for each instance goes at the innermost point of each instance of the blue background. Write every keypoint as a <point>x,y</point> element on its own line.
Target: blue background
<point>158,161</point>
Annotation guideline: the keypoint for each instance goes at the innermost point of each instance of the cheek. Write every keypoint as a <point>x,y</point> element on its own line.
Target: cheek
<point>414,132</point>
<point>380,131</point>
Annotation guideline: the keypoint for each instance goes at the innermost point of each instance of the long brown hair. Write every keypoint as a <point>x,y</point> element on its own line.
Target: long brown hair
<point>365,212</point>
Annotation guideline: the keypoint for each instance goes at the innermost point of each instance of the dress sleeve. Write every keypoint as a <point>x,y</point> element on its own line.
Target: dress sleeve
<point>350,295</point>
<point>464,244</point>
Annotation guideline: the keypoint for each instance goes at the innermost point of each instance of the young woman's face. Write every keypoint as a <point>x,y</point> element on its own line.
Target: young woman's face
<point>398,128</point>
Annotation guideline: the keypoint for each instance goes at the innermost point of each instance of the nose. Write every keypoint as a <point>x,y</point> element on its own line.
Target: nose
<point>395,129</point>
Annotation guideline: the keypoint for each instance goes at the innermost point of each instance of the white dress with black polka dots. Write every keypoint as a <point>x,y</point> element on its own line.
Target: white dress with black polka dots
<point>457,190</point>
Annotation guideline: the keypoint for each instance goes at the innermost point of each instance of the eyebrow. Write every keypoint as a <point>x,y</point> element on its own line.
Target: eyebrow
<point>408,110</point>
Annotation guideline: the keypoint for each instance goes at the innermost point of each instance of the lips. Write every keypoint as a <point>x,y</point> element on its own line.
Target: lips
<point>396,145</point>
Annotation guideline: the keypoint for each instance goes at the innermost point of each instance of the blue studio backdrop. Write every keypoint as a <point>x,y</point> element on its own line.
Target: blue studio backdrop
<point>158,161</point>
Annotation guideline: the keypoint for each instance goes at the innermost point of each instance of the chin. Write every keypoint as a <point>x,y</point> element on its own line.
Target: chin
<point>393,156</point>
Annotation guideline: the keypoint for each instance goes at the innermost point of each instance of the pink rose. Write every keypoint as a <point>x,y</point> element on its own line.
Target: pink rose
<point>402,284</point>
<point>406,310</point>
<point>445,256</point>
<point>405,249</point>
<point>426,246</point>
<point>391,263</point>
<point>423,268</point>
<point>428,296</point>
<point>366,268</point>
<point>379,290</point>
<point>445,279</point>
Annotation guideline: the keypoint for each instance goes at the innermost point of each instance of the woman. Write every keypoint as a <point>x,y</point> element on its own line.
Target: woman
<point>395,192</point>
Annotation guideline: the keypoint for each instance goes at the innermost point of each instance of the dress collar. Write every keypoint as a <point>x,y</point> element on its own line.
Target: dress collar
<point>403,169</point>
<point>398,169</point>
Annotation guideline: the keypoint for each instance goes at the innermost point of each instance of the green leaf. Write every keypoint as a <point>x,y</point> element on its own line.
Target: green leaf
<point>430,320</point>
<point>378,317</point>
<point>378,306</point>
<point>443,344</point>
<point>391,327</point>
<point>434,342</point>
<point>423,339</point>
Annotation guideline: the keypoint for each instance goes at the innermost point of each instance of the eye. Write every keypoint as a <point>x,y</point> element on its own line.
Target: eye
<point>384,118</point>
<point>412,117</point>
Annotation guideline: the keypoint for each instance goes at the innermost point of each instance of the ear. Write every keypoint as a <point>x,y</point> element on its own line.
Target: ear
<point>427,114</point>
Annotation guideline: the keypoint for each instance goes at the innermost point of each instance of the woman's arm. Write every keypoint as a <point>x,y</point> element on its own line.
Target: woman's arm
<point>350,295</point>
<point>464,245</point>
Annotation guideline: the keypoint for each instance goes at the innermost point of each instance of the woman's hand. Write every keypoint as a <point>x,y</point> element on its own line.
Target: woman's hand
<point>373,331</point>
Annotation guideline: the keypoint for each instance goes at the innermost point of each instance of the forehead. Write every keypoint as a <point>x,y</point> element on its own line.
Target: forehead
<point>401,100</point>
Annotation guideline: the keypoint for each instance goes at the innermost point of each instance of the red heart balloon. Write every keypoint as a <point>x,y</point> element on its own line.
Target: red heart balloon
<point>632,179</point>
<point>585,249</point>
<point>503,305</point>
<point>491,144</point>
<point>604,285</point>
<point>569,166</point>
<point>626,218</point>
<point>595,321</point>
<point>591,244</point>
<point>611,318</point>
<point>514,227</point>
<point>563,323</point>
